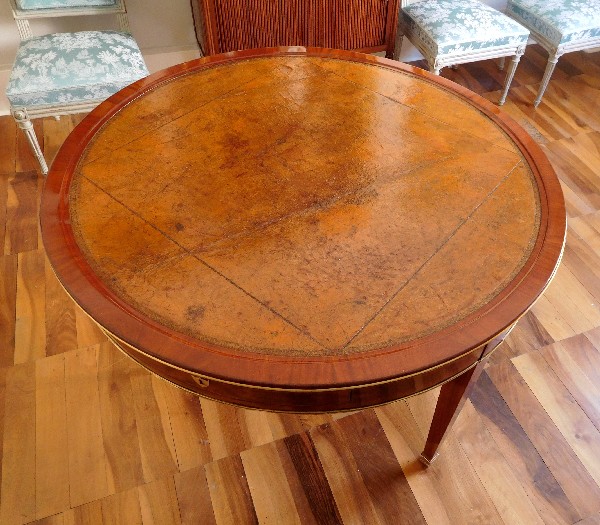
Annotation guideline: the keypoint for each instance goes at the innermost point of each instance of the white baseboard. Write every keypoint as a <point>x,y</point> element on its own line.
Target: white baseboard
<point>156,59</point>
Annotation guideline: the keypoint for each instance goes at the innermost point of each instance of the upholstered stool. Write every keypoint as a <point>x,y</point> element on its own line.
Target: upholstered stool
<point>449,32</point>
<point>559,26</point>
<point>62,73</point>
<point>61,68</point>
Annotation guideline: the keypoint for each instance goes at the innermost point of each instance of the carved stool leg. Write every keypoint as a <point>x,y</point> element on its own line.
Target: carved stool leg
<point>509,76</point>
<point>22,118</point>
<point>453,395</point>
<point>552,60</point>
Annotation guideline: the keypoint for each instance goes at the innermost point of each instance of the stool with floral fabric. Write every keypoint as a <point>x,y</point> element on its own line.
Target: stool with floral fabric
<point>559,26</point>
<point>450,32</point>
<point>62,73</point>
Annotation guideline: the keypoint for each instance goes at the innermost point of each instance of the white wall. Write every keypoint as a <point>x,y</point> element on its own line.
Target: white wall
<point>164,30</point>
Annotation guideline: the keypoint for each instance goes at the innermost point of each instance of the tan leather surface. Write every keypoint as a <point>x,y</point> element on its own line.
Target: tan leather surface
<point>304,206</point>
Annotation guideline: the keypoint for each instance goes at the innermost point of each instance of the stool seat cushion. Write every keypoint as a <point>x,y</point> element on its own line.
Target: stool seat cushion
<point>461,26</point>
<point>559,21</point>
<point>68,68</point>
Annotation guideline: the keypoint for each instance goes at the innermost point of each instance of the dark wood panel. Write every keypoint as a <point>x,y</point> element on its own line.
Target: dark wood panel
<point>231,25</point>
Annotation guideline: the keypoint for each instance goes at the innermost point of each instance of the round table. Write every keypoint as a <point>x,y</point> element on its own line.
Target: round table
<point>304,230</point>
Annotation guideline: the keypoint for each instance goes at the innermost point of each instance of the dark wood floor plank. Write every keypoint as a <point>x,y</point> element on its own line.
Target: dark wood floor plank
<point>30,331</point>
<point>229,492</point>
<point>88,467</point>
<point>4,182</point>
<point>8,299</point>
<point>572,422</point>
<point>382,475</point>
<point>464,495</point>
<point>529,334</point>
<point>8,139</point>
<point>157,450</point>
<point>61,329</point>
<point>312,494</point>
<point>190,437</point>
<point>590,520</point>
<point>343,474</point>
<point>119,427</point>
<point>269,486</point>
<point>193,495</point>
<point>500,482</point>
<point>570,360</point>
<point>584,263</point>
<point>594,337</point>
<point>158,502</point>
<point>17,491</point>
<point>525,461</point>
<point>122,508</point>
<point>406,441</point>
<point>51,454</point>
<point>21,214</point>
<point>571,474</point>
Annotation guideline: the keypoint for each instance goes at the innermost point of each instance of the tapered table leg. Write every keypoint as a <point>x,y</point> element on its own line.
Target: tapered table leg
<point>452,397</point>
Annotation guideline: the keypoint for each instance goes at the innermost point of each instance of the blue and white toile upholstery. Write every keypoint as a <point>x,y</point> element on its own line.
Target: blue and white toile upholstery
<point>62,73</point>
<point>560,26</point>
<point>67,68</point>
<point>449,32</point>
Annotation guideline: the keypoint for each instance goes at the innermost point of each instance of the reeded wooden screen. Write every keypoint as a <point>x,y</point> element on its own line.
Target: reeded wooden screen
<point>230,25</point>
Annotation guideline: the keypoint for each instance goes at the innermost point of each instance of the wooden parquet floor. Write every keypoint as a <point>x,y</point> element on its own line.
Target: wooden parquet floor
<point>86,436</point>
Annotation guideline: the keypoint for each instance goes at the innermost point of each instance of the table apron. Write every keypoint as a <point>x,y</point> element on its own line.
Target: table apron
<point>310,400</point>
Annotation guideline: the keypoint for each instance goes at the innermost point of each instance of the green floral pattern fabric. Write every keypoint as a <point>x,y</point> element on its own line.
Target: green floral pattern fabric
<point>459,26</point>
<point>51,4</point>
<point>73,67</point>
<point>559,21</point>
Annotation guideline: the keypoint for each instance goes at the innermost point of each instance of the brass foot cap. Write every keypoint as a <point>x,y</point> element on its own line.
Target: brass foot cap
<point>427,461</point>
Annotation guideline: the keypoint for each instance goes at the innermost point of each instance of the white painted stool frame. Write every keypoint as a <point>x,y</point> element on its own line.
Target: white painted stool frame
<point>554,53</point>
<point>436,63</point>
<point>23,115</point>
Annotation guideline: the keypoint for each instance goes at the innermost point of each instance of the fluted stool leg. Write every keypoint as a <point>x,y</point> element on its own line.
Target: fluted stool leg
<point>22,118</point>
